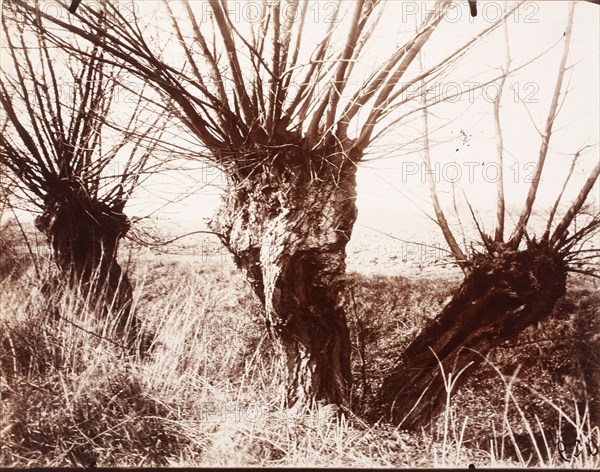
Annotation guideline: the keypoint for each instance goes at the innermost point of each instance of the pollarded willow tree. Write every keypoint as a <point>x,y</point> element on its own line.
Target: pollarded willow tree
<point>511,281</point>
<point>287,112</point>
<point>71,159</point>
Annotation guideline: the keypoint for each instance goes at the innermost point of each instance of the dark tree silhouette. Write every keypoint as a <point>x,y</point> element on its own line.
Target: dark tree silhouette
<point>508,285</point>
<point>66,157</point>
<point>288,116</point>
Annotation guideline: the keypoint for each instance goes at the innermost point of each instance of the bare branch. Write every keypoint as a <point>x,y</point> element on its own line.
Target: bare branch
<point>552,114</point>
<point>546,234</point>
<point>560,232</point>
<point>439,213</point>
<point>500,211</point>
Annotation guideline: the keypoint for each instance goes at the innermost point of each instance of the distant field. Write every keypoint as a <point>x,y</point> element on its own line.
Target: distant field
<point>409,244</point>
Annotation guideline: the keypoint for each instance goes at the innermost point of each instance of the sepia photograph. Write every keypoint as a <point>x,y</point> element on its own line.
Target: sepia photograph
<point>300,233</point>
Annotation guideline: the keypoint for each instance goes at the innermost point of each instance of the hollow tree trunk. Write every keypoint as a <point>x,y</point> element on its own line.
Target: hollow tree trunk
<point>84,235</point>
<point>287,226</point>
<point>499,298</point>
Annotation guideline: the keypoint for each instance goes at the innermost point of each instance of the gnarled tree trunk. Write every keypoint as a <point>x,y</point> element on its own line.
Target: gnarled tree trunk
<point>502,295</point>
<point>287,225</point>
<point>84,234</point>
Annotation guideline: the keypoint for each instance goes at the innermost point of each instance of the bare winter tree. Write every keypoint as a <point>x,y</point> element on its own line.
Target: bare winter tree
<point>511,284</point>
<point>66,156</point>
<point>287,115</point>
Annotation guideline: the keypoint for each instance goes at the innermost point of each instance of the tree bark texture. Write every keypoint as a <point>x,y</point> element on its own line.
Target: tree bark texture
<point>503,294</point>
<point>287,224</point>
<point>84,235</point>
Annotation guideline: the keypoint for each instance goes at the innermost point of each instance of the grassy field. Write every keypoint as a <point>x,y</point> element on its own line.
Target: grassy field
<point>207,393</point>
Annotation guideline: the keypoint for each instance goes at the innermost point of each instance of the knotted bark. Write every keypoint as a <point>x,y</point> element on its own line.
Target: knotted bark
<point>84,235</point>
<point>287,225</point>
<point>503,294</point>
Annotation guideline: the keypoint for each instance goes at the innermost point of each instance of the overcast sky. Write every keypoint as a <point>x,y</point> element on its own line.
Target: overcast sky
<point>391,183</point>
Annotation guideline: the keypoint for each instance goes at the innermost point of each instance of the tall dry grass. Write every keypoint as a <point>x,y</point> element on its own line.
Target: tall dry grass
<point>207,391</point>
